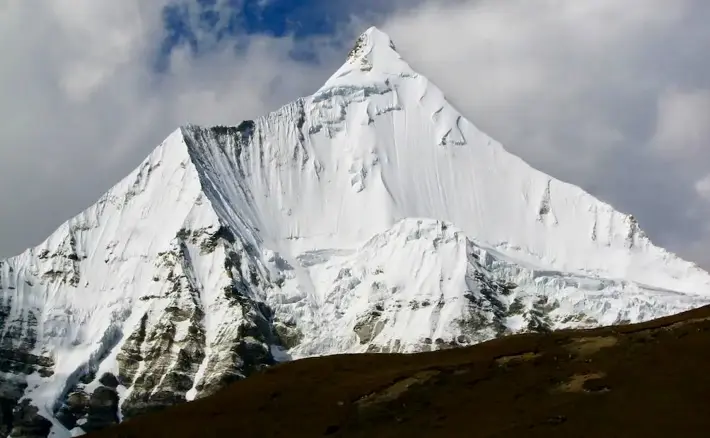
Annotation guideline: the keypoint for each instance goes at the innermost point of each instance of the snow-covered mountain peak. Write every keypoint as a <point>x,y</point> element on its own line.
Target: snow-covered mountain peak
<point>369,216</point>
<point>374,43</point>
<point>373,59</point>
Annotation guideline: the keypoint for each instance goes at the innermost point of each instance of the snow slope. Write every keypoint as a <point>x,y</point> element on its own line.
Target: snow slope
<point>370,216</point>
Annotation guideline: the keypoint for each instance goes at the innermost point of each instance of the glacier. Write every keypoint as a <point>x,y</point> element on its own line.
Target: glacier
<point>370,216</point>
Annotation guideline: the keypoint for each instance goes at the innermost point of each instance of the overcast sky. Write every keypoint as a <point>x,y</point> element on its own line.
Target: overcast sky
<point>613,96</point>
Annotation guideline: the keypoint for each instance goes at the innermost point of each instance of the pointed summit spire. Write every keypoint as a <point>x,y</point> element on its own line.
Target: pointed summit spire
<point>372,58</point>
<point>372,39</point>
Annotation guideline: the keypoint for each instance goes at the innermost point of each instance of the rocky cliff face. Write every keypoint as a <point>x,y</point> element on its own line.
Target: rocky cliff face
<point>370,216</point>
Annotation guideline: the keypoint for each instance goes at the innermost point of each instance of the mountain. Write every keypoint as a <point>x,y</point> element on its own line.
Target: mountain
<point>370,216</point>
<point>621,381</point>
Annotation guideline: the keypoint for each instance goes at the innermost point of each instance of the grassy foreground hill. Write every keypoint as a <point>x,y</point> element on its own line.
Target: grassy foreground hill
<point>642,380</point>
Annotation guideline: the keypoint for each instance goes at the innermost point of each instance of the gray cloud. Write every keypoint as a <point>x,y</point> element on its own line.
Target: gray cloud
<point>612,96</point>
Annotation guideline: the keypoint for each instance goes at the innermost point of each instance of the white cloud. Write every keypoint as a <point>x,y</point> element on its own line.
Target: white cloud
<point>702,186</point>
<point>683,124</point>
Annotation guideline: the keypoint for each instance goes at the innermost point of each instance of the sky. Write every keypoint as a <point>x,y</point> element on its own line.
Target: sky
<point>611,96</point>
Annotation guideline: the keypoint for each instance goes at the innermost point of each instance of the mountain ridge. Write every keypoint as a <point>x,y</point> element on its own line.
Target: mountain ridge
<point>323,227</point>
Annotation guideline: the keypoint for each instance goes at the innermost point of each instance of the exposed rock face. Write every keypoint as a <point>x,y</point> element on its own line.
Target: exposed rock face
<point>19,341</point>
<point>165,359</point>
<point>11,390</point>
<point>160,360</point>
<point>75,408</point>
<point>102,409</point>
<point>90,412</point>
<point>171,349</point>
<point>17,360</point>
<point>27,423</point>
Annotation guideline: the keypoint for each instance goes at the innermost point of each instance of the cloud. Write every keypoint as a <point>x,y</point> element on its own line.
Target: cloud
<point>702,186</point>
<point>683,124</point>
<point>609,95</point>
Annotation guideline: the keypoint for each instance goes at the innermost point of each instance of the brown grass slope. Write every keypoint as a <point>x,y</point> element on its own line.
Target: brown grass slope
<point>650,379</point>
